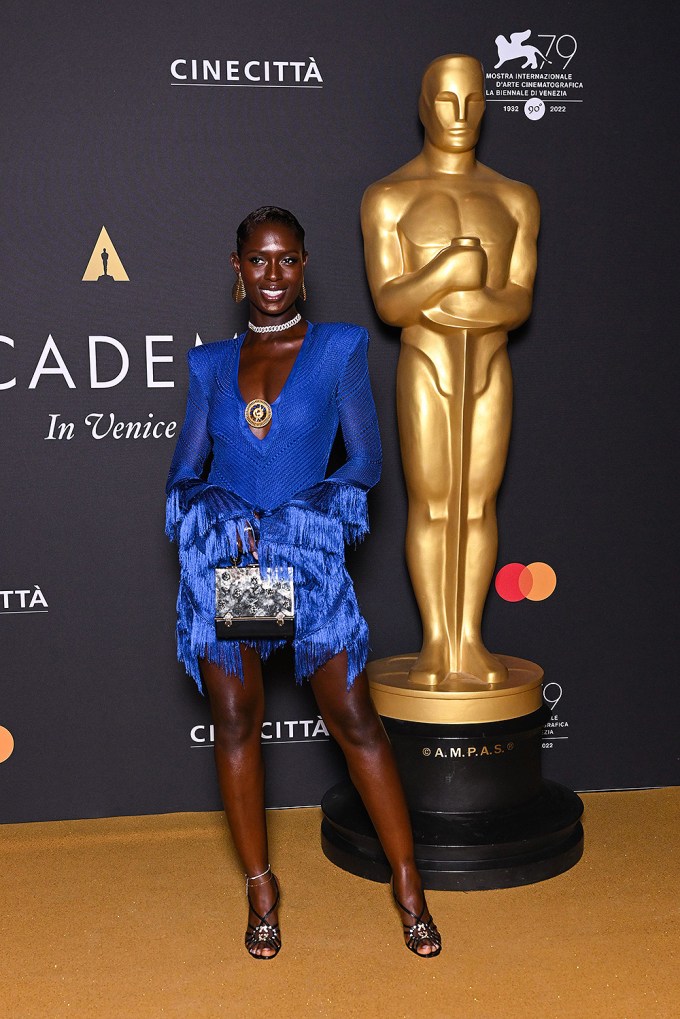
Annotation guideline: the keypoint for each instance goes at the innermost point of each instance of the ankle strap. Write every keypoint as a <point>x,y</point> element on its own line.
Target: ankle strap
<point>254,877</point>
<point>417,918</point>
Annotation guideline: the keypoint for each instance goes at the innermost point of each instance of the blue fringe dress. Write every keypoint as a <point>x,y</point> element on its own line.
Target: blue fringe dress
<point>221,474</point>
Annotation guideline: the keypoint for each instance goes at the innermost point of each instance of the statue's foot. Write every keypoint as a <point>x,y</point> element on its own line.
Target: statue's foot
<point>430,667</point>
<point>478,662</point>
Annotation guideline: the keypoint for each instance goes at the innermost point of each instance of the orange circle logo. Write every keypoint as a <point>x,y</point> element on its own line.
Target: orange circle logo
<point>535,582</point>
<point>6,743</point>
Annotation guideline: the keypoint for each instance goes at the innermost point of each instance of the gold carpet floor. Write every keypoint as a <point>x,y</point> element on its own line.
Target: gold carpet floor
<point>144,917</point>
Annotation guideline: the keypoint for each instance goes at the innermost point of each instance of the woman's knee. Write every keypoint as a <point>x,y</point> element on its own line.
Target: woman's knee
<point>236,730</point>
<point>354,725</point>
<point>237,707</point>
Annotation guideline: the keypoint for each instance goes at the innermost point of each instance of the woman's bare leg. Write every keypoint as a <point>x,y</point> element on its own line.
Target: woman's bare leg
<point>238,712</point>
<point>354,723</point>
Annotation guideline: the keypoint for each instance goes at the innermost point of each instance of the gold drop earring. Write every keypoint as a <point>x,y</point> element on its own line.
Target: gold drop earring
<point>303,290</point>
<point>238,291</point>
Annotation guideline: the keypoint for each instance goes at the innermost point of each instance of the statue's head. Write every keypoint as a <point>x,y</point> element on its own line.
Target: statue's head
<point>451,103</point>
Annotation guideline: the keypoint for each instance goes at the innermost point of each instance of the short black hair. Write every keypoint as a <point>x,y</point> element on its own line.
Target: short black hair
<point>268,214</point>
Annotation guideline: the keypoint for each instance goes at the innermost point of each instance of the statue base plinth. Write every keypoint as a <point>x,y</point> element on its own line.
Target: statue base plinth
<point>483,817</point>
<point>460,698</point>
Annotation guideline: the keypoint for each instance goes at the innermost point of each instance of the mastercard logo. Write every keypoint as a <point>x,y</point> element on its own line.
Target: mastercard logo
<point>535,582</point>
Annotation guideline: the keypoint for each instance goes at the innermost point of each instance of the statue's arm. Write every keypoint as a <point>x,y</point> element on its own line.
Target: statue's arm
<point>507,307</point>
<point>399,296</point>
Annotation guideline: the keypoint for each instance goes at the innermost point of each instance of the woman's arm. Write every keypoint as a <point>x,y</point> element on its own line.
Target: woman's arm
<point>343,494</point>
<point>195,510</point>
<point>193,444</point>
<point>358,421</point>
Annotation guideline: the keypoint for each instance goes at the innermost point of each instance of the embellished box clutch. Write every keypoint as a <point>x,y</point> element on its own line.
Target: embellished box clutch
<point>250,605</point>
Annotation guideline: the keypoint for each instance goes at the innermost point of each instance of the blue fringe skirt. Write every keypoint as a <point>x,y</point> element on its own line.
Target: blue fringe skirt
<point>308,533</point>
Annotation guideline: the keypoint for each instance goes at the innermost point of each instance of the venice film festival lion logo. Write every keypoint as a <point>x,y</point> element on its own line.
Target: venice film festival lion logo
<point>517,48</point>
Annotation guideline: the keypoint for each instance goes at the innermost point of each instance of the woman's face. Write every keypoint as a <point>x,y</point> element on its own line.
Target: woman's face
<point>271,263</point>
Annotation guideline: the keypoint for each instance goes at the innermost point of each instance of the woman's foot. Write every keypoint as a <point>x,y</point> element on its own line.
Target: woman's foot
<point>263,937</point>
<point>420,931</point>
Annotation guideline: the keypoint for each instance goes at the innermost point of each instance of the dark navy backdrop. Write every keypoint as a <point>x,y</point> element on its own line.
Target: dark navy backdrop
<point>98,132</point>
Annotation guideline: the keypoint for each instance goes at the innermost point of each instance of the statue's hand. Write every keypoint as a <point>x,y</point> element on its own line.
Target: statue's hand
<point>463,305</point>
<point>465,264</point>
<point>483,309</point>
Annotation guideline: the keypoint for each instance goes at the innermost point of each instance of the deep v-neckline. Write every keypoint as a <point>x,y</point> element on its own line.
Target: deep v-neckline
<point>289,377</point>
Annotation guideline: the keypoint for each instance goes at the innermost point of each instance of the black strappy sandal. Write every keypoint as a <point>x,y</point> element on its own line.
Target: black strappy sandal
<point>420,931</point>
<point>264,935</point>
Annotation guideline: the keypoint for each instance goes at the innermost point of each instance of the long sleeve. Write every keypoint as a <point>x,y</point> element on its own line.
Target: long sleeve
<point>194,507</point>
<point>342,495</point>
<point>193,444</point>
<point>358,421</point>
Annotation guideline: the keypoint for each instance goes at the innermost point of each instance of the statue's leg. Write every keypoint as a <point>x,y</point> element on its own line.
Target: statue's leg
<point>489,429</point>
<point>424,432</point>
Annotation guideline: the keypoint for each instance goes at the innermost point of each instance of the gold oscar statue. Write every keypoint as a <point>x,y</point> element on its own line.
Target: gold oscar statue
<point>450,248</point>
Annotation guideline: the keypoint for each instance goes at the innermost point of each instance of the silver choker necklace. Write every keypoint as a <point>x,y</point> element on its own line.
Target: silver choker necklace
<point>276,329</point>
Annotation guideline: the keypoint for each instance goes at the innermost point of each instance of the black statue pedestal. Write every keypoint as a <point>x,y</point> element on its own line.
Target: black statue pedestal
<point>483,816</point>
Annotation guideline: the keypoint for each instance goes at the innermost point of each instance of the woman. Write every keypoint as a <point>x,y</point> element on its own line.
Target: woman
<point>266,408</point>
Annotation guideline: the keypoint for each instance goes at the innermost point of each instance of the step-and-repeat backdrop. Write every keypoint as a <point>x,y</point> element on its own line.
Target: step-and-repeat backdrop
<point>135,138</point>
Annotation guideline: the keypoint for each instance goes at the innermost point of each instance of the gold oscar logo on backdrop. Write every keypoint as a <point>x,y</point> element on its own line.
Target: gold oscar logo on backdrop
<point>105,265</point>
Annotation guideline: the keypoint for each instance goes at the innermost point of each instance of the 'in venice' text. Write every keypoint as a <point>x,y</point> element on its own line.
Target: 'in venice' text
<point>105,426</point>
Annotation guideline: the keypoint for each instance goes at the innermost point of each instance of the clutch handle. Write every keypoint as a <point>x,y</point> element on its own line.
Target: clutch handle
<point>252,543</point>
